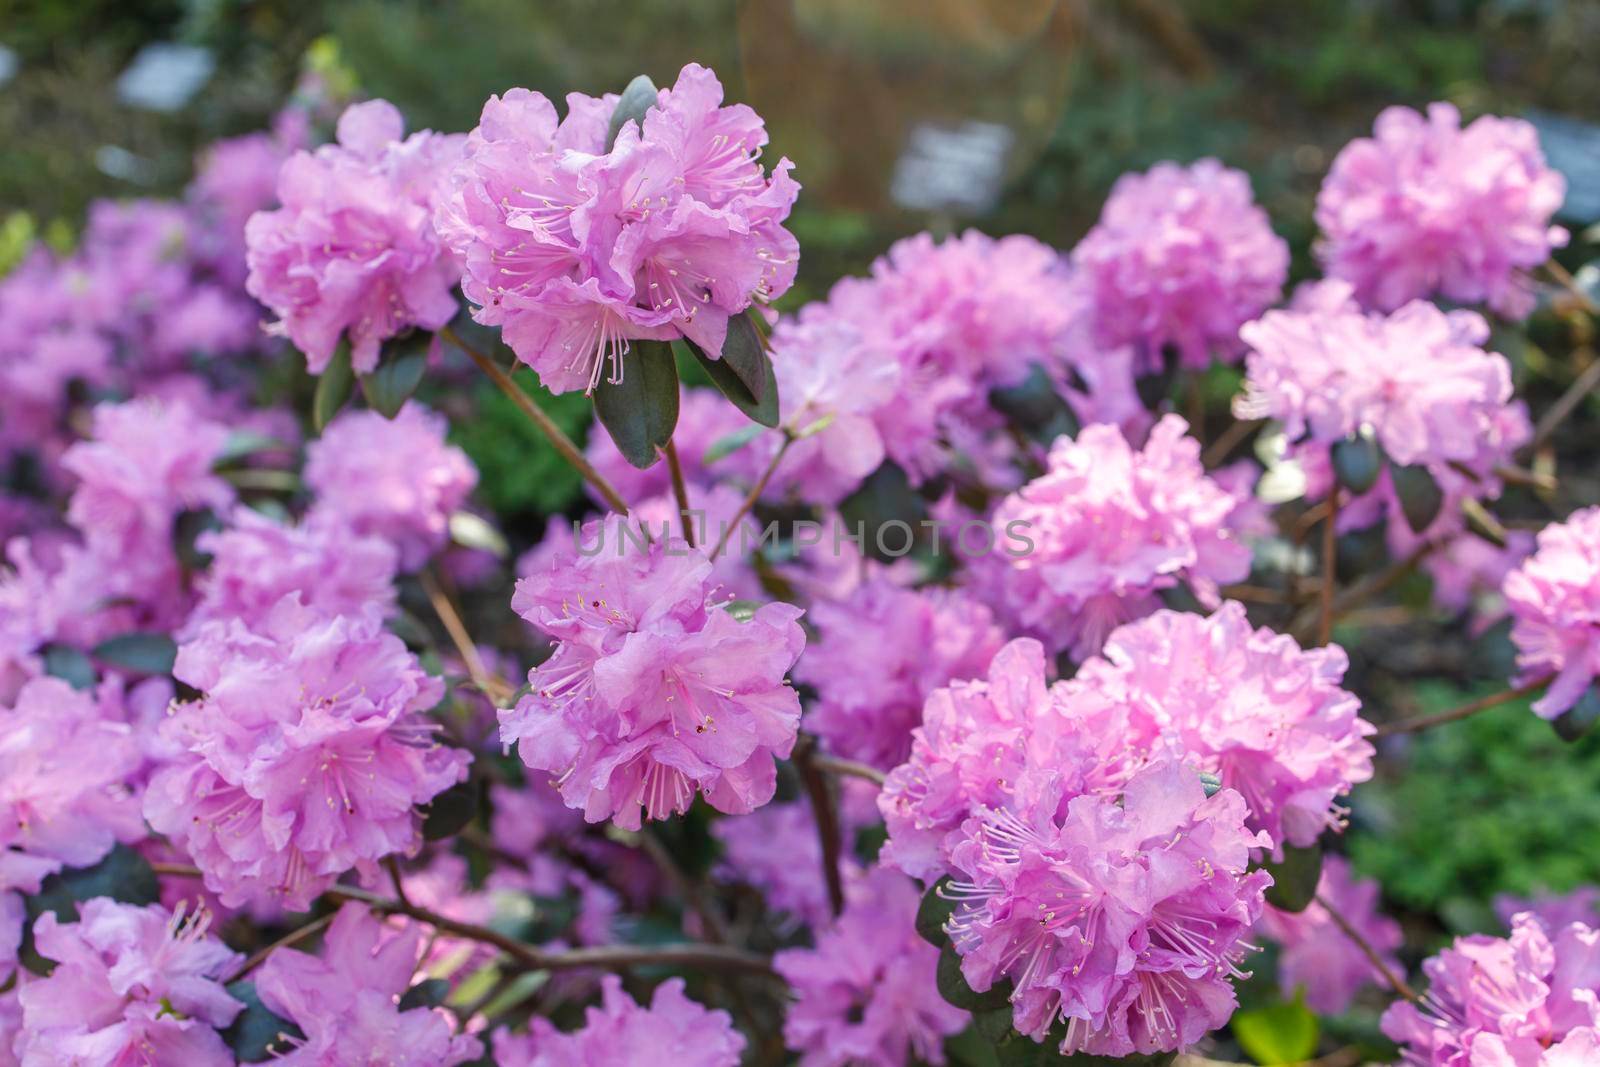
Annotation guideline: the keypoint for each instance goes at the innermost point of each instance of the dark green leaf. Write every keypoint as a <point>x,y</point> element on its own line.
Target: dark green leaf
<point>970,1049</point>
<point>242,444</point>
<point>258,1033</point>
<point>144,653</point>
<point>1358,461</point>
<point>1035,407</point>
<point>1212,784</point>
<point>428,993</point>
<point>641,411</point>
<point>449,812</point>
<point>389,387</point>
<point>994,1025</point>
<point>885,498</point>
<point>763,410</point>
<point>1294,878</point>
<point>123,875</point>
<point>640,96</point>
<point>1571,725</point>
<point>70,665</point>
<point>932,913</point>
<point>333,388</point>
<point>954,989</point>
<point>745,354</point>
<point>1280,1033</point>
<point>728,444</point>
<point>1420,496</point>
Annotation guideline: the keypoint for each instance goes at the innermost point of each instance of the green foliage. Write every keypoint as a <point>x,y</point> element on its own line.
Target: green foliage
<point>1495,803</point>
<point>519,473</point>
<point>1285,1032</point>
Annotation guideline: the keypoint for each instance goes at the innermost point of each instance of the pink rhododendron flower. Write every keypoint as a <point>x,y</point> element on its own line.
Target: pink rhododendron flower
<point>1554,599</point>
<point>345,1001</point>
<point>1266,716</point>
<point>882,650</point>
<point>1181,257</point>
<point>1318,956</point>
<point>391,478</point>
<point>306,756</point>
<point>673,1029</point>
<point>1124,918</point>
<point>866,994</point>
<point>1108,528</point>
<point>1418,380</point>
<point>777,851</point>
<point>131,985</point>
<point>1425,207</point>
<point>352,252</point>
<point>1529,1000</point>
<point>1469,574</point>
<point>1554,910</point>
<point>235,178</point>
<point>256,561</point>
<point>653,691</point>
<point>576,248</point>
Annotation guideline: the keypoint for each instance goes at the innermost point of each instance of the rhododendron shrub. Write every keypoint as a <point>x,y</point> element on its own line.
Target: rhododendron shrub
<point>931,674</point>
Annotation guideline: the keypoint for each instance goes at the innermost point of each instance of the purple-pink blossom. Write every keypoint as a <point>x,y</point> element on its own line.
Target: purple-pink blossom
<point>1554,910</point>
<point>1316,955</point>
<point>345,1000</point>
<point>1528,1000</point>
<point>777,851</point>
<point>397,478</point>
<point>620,1031</point>
<point>575,248</point>
<point>882,650</point>
<point>1554,598</point>
<point>1426,207</point>
<point>352,252</point>
<point>654,691</point>
<point>131,985</point>
<point>1108,527</point>
<point>866,996</point>
<point>306,756</point>
<point>1181,257</point>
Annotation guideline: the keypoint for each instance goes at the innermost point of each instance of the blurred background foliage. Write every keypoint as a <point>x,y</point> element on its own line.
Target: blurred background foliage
<point>903,115</point>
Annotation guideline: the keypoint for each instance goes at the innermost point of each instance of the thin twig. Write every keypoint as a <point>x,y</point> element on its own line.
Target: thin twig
<point>1493,700</point>
<point>848,768</point>
<point>1223,446</point>
<point>1365,589</point>
<point>393,866</point>
<point>716,926</point>
<point>1330,550</point>
<point>1565,405</point>
<point>754,495</point>
<point>558,438</point>
<point>826,818</point>
<point>494,688</point>
<point>1565,279</point>
<point>680,492</point>
<point>1396,983</point>
<point>288,940</point>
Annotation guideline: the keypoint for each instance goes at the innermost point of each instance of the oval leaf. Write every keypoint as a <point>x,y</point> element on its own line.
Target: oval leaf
<point>333,388</point>
<point>258,1033</point>
<point>389,387</point>
<point>450,812</point>
<point>932,913</point>
<point>1280,1033</point>
<point>640,96</point>
<point>1294,878</point>
<point>763,410</point>
<point>728,444</point>
<point>746,354</point>
<point>143,653</point>
<point>70,665</point>
<point>641,411</point>
<point>1420,496</point>
<point>1357,461</point>
<point>428,993</point>
<point>954,989</point>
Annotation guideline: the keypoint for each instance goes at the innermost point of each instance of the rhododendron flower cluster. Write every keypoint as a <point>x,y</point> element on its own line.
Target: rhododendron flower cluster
<point>352,252</point>
<point>1554,598</point>
<point>305,757</point>
<point>574,247</point>
<point>1111,527</point>
<point>1181,258</point>
<point>1426,206</point>
<point>654,691</point>
<point>866,994</point>
<point>1532,998</point>
<point>1316,955</point>
<point>672,1029</point>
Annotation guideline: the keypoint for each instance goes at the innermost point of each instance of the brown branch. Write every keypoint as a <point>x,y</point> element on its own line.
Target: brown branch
<point>680,492</point>
<point>1365,589</point>
<point>1396,983</point>
<point>288,940</point>
<point>1493,700</point>
<point>754,495</point>
<point>716,926</point>
<point>494,688</point>
<point>1224,445</point>
<point>848,768</point>
<point>557,437</point>
<point>1330,552</point>
<point>826,818</point>
<point>1565,405</point>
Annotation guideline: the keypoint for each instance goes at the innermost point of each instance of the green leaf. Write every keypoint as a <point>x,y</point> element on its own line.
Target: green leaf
<point>728,444</point>
<point>333,388</point>
<point>123,875</point>
<point>743,610</point>
<point>641,411</point>
<point>70,665</point>
<point>258,1033</point>
<point>428,993</point>
<point>449,813</point>
<point>932,913</point>
<point>1280,1033</point>
<point>1420,496</point>
<point>1294,879</point>
<point>144,653</point>
<point>1211,783</point>
<point>474,531</point>
<point>993,1025</point>
<point>954,989</point>
<point>1035,407</point>
<point>763,409</point>
<point>1358,461</point>
<point>744,353</point>
<point>639,97</point>
<point>389,387</point>
<point>242,444</point>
